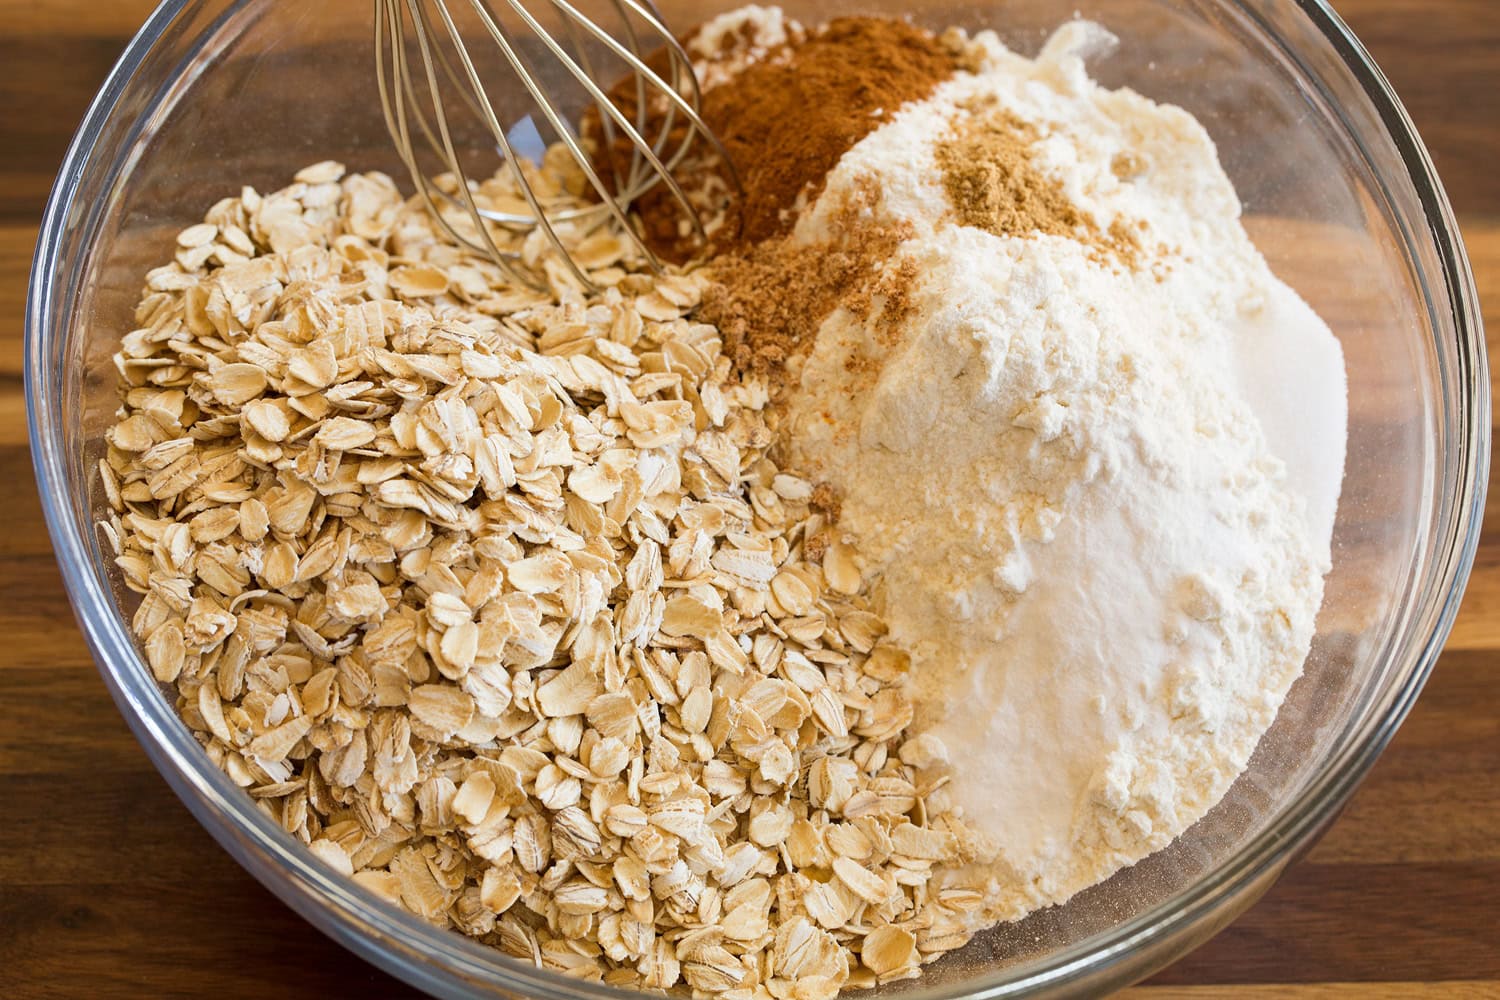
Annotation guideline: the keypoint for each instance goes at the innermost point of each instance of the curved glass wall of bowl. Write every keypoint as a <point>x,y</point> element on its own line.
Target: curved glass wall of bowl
<point>1338,192</point>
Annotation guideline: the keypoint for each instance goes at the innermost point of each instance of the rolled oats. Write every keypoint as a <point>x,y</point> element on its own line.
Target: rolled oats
<point>498,601</point>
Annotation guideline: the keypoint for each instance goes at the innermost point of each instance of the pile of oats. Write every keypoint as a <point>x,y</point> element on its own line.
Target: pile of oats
<point>494,598</point>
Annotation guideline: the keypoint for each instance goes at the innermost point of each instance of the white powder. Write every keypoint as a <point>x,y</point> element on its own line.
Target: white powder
<point>723,46</point>
<point>1100,500</point>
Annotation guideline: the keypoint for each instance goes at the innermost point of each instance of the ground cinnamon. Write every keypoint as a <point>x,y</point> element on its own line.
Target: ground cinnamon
<point>787,119</point>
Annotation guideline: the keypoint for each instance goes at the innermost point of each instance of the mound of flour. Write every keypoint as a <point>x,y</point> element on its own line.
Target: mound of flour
<point>1095,524</point>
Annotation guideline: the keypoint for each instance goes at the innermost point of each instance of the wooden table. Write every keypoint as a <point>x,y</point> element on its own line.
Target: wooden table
<point>108,888</point>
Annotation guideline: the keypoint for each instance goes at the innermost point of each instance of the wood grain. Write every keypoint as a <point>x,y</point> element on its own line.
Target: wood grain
<point>108,888</point>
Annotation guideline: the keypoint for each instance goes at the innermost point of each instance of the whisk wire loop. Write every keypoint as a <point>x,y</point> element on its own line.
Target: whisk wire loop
<point>398,85</point>
<point>492,121</point>
<point>550,113</point>
<point>413,46</point>
<point>607,108</point>
<point>688,106</point>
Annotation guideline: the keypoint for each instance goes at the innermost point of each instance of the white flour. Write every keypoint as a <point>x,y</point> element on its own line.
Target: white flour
<point>1100,503</point>
<point>724,45</point>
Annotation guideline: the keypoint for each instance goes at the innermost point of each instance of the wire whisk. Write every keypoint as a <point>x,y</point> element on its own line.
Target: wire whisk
<point>418,43</point>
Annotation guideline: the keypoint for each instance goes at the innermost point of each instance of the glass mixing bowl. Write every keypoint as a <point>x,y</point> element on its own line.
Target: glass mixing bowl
<point>1338,192</point>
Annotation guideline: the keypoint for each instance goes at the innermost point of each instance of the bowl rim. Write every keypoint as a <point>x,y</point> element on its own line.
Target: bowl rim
<point>366,924</point>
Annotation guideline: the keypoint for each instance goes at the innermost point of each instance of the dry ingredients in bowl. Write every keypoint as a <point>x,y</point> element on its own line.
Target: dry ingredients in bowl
<point>1059,432</point>
<point>942,544</point>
